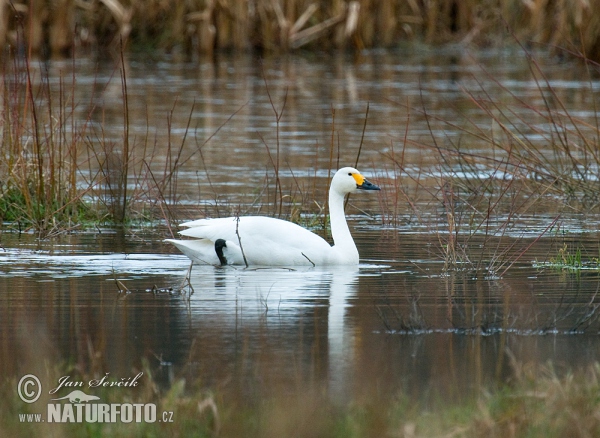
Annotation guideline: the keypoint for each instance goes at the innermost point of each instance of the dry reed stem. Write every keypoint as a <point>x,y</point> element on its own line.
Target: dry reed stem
<point>203,26</point>
<point>477,188</point>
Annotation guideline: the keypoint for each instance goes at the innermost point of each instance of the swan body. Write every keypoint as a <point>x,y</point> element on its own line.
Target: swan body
<point>265,241</point>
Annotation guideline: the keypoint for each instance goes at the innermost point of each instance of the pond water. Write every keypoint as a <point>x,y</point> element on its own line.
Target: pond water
<point>391,326</point>
<point>398,323</point>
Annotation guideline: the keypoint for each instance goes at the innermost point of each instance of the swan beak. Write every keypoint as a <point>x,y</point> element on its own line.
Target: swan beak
<point>367,185</point>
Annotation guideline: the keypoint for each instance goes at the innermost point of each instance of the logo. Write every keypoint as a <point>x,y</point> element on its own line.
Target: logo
<point>78,406</point>
<point>78,396</point>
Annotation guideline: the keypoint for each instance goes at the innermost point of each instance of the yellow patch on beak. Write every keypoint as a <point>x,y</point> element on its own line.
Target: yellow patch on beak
<point>358,178</point>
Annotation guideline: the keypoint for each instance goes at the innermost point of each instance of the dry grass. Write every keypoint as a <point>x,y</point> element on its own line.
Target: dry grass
<point>203,26</point>
<point>540,403</point>
<point>487,176</point>
<point>38,152</point>
<point>537,401</point>
<point>59,173</point>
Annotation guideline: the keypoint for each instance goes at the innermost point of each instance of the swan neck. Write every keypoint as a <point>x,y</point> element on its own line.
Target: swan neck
<point>339,227</point>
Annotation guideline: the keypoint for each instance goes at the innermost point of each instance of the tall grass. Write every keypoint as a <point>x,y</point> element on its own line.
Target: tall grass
<point>59,172</point>
<point>488,177</point>
<point>39,151</point>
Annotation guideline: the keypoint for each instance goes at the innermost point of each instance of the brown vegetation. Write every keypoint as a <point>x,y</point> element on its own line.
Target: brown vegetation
<point>203,26</point>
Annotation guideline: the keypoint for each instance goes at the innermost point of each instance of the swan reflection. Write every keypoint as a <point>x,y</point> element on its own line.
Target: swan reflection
<point>250,298</point>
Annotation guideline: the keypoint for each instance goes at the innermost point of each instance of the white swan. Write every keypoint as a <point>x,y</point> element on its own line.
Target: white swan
<point>265,241</point>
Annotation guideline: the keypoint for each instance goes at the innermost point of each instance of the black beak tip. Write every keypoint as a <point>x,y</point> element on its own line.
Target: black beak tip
<point>368,185</point>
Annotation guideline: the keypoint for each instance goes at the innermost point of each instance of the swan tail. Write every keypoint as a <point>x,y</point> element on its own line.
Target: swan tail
<point>201,251</point>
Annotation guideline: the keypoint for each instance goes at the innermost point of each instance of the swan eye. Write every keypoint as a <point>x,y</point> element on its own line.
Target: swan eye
<point>349,173</point>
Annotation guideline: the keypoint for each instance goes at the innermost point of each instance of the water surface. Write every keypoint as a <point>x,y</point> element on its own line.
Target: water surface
<point>392,325</point>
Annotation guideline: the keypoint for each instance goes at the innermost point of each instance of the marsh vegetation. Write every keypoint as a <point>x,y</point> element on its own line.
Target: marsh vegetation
<point>206,26</point>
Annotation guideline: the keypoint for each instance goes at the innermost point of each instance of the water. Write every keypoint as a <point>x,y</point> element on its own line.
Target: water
<point>398,323</point>
<point>393,325</point>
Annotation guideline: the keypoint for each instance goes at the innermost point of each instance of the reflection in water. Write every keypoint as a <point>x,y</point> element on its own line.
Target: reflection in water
<point>340,335</point>
<point>246,299</point>
<point>392,326</point>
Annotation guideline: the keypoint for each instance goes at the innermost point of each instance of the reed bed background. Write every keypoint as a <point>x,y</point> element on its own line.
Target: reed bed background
<point>206,26</point>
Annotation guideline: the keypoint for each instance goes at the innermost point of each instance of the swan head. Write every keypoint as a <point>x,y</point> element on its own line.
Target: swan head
<point>348,180</point>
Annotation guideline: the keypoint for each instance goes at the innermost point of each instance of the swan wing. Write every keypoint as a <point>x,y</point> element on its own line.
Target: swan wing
<point>260,240</point>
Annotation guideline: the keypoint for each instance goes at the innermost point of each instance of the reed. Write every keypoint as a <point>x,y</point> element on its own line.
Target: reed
<point>60,173</point>
<point>205,26</point>
<point>39,153</point>
<point>570,259</point>
<point>136,181</point>
<point>492,176</point>
<point>568,171</point>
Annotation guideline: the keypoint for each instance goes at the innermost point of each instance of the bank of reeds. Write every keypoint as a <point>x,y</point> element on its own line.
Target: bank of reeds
<point>39,152</point>
<point>206,26</point>
<point>59,172</point>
